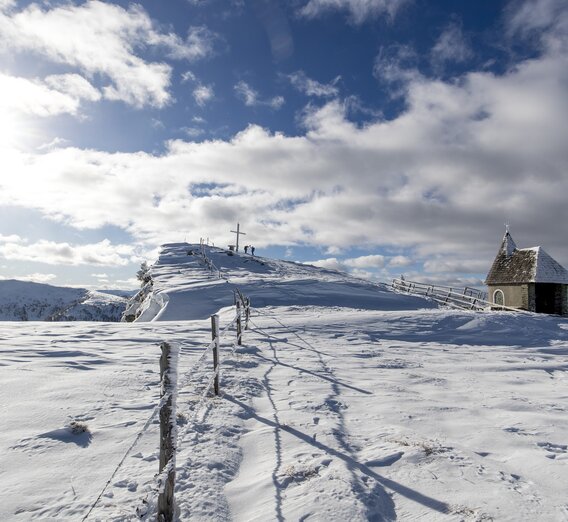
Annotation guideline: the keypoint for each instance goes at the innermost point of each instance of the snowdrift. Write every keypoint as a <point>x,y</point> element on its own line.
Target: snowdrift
<point>184,288</point>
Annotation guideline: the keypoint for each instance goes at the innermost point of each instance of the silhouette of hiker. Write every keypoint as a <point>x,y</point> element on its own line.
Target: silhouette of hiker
<point>252,250</point>
<point>246,249</point>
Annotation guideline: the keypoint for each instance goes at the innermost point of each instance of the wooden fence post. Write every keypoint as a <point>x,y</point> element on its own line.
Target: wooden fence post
<point>247,314</point>
<point>215,337</point>
<point>239,324</point>
<point>166,504</point>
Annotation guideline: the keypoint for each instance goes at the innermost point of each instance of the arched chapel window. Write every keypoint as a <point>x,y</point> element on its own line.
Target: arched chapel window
<point>499,297</point>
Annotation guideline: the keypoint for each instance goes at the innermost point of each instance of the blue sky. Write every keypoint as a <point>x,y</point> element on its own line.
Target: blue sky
<point>373,136</point>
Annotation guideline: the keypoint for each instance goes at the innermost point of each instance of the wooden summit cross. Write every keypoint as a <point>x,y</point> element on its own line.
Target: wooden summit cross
<point>239,233</point>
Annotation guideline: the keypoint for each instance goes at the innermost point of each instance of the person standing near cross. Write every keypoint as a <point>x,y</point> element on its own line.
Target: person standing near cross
<point>239,233</point>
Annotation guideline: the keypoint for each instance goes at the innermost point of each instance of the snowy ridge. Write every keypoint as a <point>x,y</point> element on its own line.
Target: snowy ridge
<point>184,288</point>
<point>26,301</point>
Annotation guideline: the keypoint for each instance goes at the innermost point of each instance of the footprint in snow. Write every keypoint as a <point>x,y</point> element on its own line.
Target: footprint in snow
<point>554,451</point>
<point>131,485</point>
<point>519,431</point>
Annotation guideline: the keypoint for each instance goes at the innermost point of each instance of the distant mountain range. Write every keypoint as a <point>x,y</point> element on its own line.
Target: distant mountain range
<point>25,301</point>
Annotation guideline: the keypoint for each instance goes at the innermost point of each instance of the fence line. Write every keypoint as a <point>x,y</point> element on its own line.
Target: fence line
<point>209,263</point>
<point>169,394</point>
<point>165,504</point>
<point>448,296</point>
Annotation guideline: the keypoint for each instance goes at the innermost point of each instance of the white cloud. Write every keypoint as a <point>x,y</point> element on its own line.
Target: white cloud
<point>103,253</point>
<point>330,263</point>
<point>188,76</point>
<point>7,4</point>
<point>36,98</point>
<point>127,284</point>
<point>370,261</point>
<point>455,265</point>
<point>333,250</point>
<point>439,180</point>
<point>359,10</point>
<point>38,278</point>
<point>396,64</point>
<point>401,261</point>
<point>251,97</point>
<point>451,46</point>
<point>445,280</point>
<point>73,36</point>
<point>203,94</point>
<point>53,144</point>
<point>354,266</point>
<point>192,132</point>
<point>198,44</point>
<point>547,20</point>
<point>34,278</point>
<point>311,87</point>
<point>12,238</point>
<point>74,85</point>
<point>363,274</point>
<point>276,102</point>
<point>100,276</point>
<point>246,93</point>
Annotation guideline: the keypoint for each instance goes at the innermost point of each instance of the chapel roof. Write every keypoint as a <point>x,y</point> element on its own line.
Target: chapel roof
<point>514,265</point>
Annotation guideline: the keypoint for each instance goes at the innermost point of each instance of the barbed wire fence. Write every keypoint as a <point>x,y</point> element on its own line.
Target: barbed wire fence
<point>159,501</point>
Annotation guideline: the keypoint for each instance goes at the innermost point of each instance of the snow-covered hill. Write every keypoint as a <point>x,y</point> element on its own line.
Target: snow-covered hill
<point>26,301</point>
<point>184,288</point>
<point>344,402</point>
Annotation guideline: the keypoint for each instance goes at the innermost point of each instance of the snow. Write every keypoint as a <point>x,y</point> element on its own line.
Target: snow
<point>547,269</point>
<point>267,282</point>
<point>387,410</point>
<point>27,301</point>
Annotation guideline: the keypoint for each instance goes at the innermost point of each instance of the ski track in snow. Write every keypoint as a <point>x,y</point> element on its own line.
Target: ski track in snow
<point>327,412</point>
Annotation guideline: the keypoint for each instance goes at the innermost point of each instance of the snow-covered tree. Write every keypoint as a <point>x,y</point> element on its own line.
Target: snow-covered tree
<point>143,275</point>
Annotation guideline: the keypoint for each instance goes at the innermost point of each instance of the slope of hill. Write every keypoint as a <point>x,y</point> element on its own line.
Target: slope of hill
<point>26,301</point>
<point>184,288</point>
<point>344,402</point>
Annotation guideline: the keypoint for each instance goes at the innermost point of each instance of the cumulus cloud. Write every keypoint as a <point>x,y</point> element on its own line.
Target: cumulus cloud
<point>399,261</point>
<point>371,261</point>
<point>12,238</point>
<point>311,87</point>
<point>359,10</point>
<point>74,85</point>
<point>438,180</point>
<point>198,44</point>
<point>38,277</point>
<point>61,94</point>
<point>103,253</point>
<point>72,35</point>
<point>331,263</point>
<point>362,266</point>
<point>251,98</point>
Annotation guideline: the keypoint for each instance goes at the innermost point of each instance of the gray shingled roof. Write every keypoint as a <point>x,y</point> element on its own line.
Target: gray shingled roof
<point>524,265</point>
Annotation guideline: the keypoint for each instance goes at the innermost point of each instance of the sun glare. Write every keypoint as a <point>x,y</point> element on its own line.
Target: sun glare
<point>11,130</point>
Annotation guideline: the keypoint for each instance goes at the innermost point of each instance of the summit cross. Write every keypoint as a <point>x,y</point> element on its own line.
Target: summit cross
<point>239,233</point>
